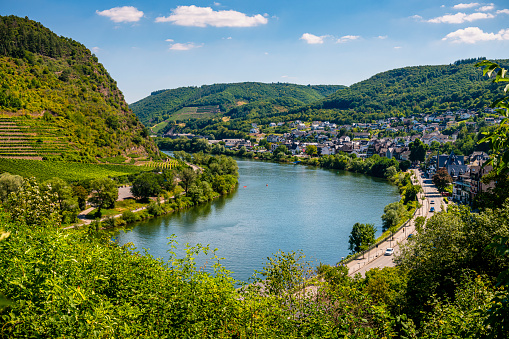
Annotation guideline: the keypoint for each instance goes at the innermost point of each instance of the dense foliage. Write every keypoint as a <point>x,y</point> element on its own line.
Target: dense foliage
<point>67,283</point>
<point>400,92</point>
<point>419,89</point>
<point>234,100</point>
<point>59,84</point>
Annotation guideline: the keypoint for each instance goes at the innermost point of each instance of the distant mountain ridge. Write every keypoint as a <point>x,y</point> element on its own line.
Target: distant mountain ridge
<point>162,104</point>
<point>417,89</point>
<point>56,89</point>
<point>398,92</point>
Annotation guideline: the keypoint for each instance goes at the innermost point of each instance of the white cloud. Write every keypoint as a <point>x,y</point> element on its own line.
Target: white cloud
<point>206,16</point>
<point>459,18</point>
<point>217,4</point>
<point>347,38</point>
<point>416,17</point>
<point>169,40</point>
<point>122,14</point>
<point>503,11</point>
<point>397,47</point>
<point>184,47</point>
<point>382,37</point>
<point>486,8</point>
<point>96,50</point>
<point>471,35</point>
<point>464,6</point>
<point>312,39</point>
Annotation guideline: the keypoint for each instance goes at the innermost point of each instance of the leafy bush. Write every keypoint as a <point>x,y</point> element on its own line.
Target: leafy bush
<point>129,217</point>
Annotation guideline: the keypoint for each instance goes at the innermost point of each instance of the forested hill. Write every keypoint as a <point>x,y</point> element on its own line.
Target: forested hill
<point>418,89</point>
<point>56,89</point>
<point>236,100</point>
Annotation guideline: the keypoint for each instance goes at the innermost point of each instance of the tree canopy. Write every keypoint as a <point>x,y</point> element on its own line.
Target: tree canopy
<point>361,237</point>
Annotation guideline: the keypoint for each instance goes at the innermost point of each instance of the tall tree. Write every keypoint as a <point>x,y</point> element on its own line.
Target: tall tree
<point>147,185</point>
<point>418,150</point>
<point>104,193</point>
<point>9,183</point>
<point>393,213</point>
<point>311,150</point>
<point>361,237</point>
<point>441,179</point>
<point>187,176</point>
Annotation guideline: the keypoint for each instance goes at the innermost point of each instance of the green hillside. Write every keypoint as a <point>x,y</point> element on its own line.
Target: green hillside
<point>409,90</point>
<point>231,99</point>
<point>58,102</point>
<point>398,92</point>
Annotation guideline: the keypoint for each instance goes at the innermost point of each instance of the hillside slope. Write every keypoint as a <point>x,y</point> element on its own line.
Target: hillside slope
<point>54,93</point>
<point>417,89</point>
<point>231,99</point>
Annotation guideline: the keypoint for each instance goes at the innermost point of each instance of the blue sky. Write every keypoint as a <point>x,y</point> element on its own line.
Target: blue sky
<point>150,45</point>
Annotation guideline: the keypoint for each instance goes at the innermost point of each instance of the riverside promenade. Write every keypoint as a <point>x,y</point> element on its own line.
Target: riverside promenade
<point>375,257</point>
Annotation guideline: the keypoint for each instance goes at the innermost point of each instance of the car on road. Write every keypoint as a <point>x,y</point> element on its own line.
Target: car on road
<point>389,251</point>
<point>432,209</point>
<point>432,202</point>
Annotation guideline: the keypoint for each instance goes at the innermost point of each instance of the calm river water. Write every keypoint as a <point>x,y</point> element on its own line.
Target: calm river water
<point>276,207</point>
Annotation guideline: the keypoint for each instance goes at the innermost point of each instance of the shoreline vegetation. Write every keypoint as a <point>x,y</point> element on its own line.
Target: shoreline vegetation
<point>375,166</point>
<point>211,177</point>
<point>451,278</point>
<point>162,188</point>
<point>395,214</point>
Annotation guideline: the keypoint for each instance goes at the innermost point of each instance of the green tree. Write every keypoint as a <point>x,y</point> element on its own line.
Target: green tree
<point>411,192</point>
<point>60,188</point>
<point>69,205</point>
<point>104,193</point>
<point>81,194</point>
<point>9,183</point>
<point>311,150</point>
<point>169,180</point>
<point>498,138</point>
<point>452,243</point>
<point>223,183</point>
<point>147,185</point>
<point>417,150</point>
<point>187,176</point>
<point>441,179</point>
<point>34,206</point>
<point>393,214</point>
<point>361,237</point>
<point>404,165</point>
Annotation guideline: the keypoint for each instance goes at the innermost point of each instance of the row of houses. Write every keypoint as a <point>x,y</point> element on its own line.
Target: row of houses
<point>466,173</point>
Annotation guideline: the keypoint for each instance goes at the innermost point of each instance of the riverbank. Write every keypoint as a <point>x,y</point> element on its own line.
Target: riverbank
<point>276,207</point>
<point>374,257</point>
<point>205,179</point>
<point>374,166</point>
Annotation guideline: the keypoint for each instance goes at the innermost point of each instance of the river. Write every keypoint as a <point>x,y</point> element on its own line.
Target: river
<point>276,207</point>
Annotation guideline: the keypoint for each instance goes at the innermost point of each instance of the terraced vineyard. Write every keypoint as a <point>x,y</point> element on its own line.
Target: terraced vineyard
<point>29,138</point>
<point>167,164</point>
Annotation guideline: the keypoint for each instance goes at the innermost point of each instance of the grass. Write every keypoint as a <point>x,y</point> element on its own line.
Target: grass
<point>120,207</point>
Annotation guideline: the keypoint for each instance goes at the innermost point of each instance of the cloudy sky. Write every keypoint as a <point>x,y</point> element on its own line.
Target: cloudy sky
<point>148,45</point>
